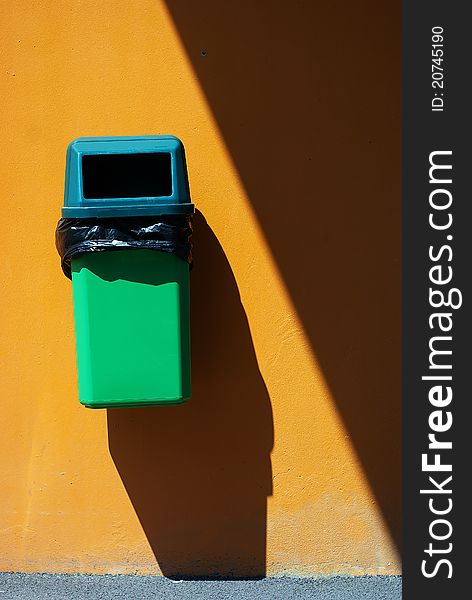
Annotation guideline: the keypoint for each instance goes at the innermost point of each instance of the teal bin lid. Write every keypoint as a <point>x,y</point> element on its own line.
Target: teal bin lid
<point>125,177</point>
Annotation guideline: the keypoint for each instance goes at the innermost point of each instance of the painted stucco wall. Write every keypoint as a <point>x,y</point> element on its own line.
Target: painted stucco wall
<point>286,459</point>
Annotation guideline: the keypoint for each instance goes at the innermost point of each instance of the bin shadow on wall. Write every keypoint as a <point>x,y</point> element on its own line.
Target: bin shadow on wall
<point>198,475</point>
<point>313,125</point>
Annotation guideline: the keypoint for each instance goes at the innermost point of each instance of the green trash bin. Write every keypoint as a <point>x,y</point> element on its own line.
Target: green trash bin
<point>131,300</point>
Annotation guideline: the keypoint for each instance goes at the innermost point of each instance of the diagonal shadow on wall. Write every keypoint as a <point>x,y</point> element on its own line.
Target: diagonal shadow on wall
<point>199,474</point>
<point>307,95</point>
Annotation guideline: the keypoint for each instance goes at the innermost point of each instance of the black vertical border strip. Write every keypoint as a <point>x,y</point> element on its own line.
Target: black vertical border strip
<point>425,131</point>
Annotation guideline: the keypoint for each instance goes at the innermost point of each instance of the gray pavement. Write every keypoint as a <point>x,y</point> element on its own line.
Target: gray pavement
<point>37,586</point>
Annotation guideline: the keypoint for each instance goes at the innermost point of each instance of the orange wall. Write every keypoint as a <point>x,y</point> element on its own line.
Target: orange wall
<point>286,459</point>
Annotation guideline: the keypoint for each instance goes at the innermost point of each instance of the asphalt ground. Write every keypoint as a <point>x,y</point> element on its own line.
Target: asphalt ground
<point>38,586</point>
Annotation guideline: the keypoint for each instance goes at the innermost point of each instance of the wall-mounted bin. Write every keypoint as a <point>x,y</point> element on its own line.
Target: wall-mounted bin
<point>125,241</point>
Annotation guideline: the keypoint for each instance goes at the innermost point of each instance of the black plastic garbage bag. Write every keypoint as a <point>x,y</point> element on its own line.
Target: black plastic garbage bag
<point>166,233</point>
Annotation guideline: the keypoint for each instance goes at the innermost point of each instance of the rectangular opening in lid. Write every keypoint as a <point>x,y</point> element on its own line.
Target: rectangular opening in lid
<point>143,175</point>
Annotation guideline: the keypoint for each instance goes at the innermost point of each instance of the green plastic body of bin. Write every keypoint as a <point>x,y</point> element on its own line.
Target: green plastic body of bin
<point>131,311</point>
